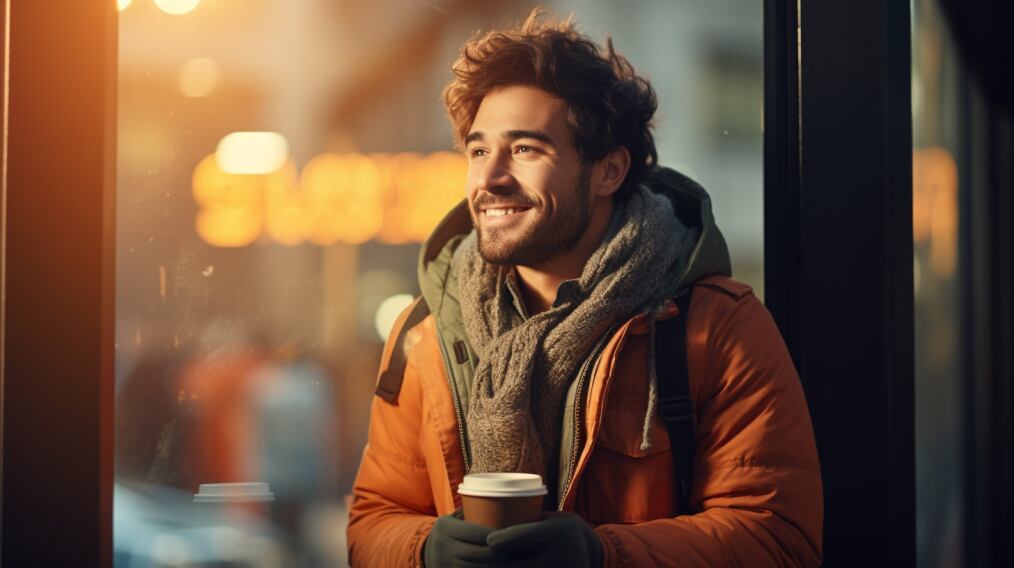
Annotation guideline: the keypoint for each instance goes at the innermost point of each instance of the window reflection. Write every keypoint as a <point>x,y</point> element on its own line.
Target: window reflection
<point>939,393</point>
<point>279,162</point>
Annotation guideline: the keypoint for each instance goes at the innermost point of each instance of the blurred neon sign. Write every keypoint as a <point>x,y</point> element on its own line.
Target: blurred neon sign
<point>347,198</point>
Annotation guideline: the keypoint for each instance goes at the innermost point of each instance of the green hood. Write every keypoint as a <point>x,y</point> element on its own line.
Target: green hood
<point>709,256</point>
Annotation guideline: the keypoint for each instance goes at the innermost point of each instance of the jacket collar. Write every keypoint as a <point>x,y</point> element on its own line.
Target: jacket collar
<point>691,203</point>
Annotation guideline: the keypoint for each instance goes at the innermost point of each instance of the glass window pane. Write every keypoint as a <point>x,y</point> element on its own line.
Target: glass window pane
<point>937,78</point>
<point>279,164</point>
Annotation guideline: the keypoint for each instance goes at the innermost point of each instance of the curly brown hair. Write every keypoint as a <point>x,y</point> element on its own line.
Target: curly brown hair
<point>608,104</point>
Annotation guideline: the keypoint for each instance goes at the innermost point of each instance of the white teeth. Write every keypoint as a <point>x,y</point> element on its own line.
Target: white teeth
<point>500,212</point>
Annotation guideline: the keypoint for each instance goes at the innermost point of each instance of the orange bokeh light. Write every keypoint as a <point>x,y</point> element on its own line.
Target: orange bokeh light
<point>935,206</point>
<point>232,211</point>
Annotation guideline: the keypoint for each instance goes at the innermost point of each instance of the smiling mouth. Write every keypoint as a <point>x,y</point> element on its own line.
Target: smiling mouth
<point>503,212</point>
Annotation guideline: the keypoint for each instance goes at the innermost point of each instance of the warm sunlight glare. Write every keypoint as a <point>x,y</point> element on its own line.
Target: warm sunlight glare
<point>177,7</point>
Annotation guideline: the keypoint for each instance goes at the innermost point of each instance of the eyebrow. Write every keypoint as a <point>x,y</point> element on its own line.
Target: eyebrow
<point>514,135</point>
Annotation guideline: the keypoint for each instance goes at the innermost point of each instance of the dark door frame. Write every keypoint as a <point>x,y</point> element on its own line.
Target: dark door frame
<point>838,256</point>
<point>57,295</point>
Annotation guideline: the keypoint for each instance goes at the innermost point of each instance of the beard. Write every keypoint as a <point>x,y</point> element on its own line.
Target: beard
<point>543,239</point>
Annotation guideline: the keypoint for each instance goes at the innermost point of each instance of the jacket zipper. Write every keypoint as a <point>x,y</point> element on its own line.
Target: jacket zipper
<point>457,405</point>
<point>578,398</point>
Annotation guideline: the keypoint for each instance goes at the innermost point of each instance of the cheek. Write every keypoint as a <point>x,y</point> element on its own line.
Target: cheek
<point>557,191</point>
<point>539,183</point>
<point>471,184</point>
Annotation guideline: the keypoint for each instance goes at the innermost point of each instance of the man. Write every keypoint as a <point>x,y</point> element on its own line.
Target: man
<point>544,288</point>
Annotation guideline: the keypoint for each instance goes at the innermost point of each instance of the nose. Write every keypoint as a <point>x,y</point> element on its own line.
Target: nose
<point>493,175</point>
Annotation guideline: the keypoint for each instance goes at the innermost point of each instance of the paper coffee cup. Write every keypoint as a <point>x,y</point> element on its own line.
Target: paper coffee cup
<point>245,500</point>
<point>499,500</point>
<point>247,492</point>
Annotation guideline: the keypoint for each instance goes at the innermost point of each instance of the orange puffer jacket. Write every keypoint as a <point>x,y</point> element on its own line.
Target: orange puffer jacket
<point>756,475</point>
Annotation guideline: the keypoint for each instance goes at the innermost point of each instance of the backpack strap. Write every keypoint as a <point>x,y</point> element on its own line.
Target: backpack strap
<point>675,404</point>
<point>391,377</point>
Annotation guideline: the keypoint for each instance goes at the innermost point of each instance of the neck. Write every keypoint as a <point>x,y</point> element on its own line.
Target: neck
<point>539,283</point>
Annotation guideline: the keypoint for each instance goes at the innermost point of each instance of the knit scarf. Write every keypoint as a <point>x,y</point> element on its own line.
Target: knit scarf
<point>525,367</point>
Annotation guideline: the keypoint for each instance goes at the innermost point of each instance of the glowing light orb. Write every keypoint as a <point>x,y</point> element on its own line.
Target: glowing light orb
<point>388,313</point>
<point>177,7</point>
<point>252,152</point>
<point>198,77</point>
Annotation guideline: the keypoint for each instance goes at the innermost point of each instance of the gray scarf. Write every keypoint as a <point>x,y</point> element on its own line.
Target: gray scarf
<point>525,367</point>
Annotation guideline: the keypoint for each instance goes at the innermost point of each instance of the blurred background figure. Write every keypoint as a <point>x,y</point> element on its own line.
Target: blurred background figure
<point>229,412</point>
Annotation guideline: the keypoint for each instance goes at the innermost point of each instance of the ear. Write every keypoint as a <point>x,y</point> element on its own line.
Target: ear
<point>609,172</point>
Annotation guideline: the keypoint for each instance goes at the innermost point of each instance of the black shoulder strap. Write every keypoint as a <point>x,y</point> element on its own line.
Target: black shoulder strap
<point>389,384</point>
<point>675,405</point>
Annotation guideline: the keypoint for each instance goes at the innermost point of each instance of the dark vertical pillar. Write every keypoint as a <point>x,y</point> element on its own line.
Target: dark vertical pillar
<point>58,291</point>
<point>986,205</point>
<point>781,169</point>
<point>838,241</point>
<point>1000,334</point>
<point>4,36</point>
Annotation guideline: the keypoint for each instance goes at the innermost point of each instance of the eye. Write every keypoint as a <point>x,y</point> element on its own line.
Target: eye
<point>524,149</point>
<point>476,152</point>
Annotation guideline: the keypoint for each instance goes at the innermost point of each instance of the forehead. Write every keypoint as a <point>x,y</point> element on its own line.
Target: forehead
<point>520,107</point>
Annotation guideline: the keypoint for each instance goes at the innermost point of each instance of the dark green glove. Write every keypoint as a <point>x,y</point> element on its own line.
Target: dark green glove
<point>456,543</point>
<point>560,539</point>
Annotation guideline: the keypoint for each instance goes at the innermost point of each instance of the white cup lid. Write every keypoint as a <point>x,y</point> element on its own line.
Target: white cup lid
<point>502,485</point>
<point>246,492</point>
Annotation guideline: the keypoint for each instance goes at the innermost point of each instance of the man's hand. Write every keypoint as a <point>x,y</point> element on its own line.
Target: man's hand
<point>456,543</point>
<point>560,539</point>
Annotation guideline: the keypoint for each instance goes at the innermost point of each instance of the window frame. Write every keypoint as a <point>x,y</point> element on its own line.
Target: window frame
<point>57,282</point>
<point>837,97</point>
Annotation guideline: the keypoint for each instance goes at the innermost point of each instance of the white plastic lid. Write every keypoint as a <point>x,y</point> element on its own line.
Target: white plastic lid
<point>502,485</point>
<point>246,492</point>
